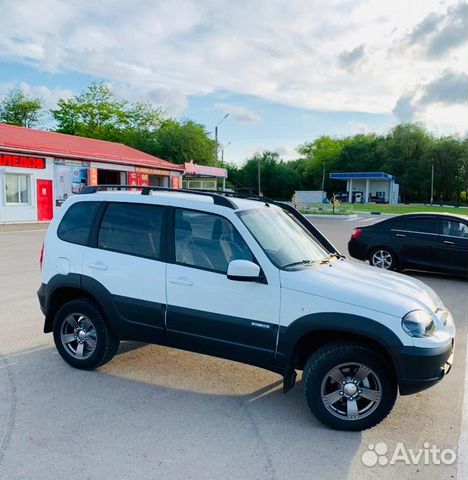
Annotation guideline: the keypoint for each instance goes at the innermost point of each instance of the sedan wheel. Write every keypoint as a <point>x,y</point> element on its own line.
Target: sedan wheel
<point>382,258</point>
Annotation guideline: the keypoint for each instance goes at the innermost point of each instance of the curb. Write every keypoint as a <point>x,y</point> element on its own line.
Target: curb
<point>335,217</point>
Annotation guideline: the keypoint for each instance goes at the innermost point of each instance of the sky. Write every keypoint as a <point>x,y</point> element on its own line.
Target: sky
<point>286,71</point>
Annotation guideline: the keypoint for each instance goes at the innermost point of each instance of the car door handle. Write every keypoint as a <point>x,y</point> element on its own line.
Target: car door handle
<point>401,235</point>
<point>98,266</point>
<point>186,282</point>
<point>448,242</point>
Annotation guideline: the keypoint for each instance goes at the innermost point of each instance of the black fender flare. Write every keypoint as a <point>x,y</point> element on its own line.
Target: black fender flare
<point>337,323</point>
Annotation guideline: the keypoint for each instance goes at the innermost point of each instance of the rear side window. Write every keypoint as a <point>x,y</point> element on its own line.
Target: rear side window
<point>419,225</point>
<point>424,225</point>
<point>76,223</point>
<point>133,229</point>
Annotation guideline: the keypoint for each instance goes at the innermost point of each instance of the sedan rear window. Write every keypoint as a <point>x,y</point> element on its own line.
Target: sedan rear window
<point>418,225</point>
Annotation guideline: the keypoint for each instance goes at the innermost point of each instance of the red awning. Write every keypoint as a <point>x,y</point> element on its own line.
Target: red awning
<point>59,145</point>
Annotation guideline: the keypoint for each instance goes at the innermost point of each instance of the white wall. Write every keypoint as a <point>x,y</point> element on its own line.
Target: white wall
<point>23,212</point>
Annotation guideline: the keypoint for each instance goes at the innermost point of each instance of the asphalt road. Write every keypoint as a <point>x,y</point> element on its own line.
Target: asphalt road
<point>155,412</point>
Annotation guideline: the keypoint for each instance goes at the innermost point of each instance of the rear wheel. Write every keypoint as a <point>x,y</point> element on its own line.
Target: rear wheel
<point>82,336</point>
<point>384,258</point>
<point>349,386</point>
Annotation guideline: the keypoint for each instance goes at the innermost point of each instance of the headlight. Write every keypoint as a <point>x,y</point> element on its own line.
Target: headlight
<point>418,323</point>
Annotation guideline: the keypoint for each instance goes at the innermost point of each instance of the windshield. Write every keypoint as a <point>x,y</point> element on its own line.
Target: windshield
<point>285,241</point>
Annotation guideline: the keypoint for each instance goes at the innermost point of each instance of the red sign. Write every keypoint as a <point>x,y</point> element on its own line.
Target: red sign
<point>175,183</point>
<point>7,160</point>
<point>92,176</point>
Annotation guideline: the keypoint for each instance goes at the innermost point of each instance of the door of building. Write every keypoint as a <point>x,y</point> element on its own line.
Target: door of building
<point>44,200</point>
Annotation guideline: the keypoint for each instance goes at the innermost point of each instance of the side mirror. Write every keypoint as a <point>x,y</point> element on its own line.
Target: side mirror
<point>243,270</point>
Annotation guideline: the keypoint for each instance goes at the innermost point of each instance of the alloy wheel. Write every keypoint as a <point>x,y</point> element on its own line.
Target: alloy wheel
<point>78,336</point>
<point>382,259</point>
<point>351,391</point>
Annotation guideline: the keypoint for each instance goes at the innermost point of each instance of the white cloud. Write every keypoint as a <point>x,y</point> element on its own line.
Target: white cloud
<point>48,96</point>
<point>286,152</point>
<point>239,113</point>
<point>287,52</point>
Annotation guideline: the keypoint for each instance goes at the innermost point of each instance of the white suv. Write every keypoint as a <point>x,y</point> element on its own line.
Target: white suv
<point>246,279</point>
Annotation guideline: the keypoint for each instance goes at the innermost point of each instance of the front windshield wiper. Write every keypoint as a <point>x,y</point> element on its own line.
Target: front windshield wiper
<point>300,262</point>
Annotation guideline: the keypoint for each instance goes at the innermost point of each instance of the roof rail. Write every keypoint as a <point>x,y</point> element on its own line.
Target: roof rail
<point>218,198</point>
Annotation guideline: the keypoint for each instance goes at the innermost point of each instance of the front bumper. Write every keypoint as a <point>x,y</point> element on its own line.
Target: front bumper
<point>420,368</point>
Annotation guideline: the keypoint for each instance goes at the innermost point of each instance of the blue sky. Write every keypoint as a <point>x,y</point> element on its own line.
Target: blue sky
<point>286,72</point>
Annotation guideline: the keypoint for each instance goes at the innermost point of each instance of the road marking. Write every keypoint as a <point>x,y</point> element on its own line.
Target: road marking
<point>463,442</point>
<point>24,231</point>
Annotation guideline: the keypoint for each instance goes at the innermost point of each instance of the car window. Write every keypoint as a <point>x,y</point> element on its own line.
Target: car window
<point>422,225</point>
<point>284,240</point>
<point>454,228</point>
<point>207,241</point>
<point>133,229</point>
<point>76,223</point>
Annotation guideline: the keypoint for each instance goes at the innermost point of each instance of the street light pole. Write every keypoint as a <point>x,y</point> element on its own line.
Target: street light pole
<point>216,134</point>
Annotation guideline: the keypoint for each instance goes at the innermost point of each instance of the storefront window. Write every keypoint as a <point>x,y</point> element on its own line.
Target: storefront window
<point>16,188</point>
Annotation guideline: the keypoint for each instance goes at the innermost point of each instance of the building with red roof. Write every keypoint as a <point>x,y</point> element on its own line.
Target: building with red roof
<point>40,169</point>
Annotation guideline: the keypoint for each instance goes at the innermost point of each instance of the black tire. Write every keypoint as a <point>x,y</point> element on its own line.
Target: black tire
<point>384,251</point>
<point>326,359</point>
<point>106,343</point>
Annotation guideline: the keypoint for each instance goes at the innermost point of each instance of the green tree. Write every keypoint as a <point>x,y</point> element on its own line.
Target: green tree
<point>405,153</point>
<point>18,108</point>
<point>180,142</point>
<point>449,155</point>
<point>93,113</point>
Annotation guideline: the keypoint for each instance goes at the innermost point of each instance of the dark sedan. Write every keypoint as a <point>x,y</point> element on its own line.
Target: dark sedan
<point>422,241</point>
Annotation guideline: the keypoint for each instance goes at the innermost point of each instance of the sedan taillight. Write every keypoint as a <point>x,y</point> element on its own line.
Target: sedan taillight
<point>357,233</point>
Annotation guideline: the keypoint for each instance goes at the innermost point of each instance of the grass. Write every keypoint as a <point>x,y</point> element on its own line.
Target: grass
<point>411,208</point>
<point>345,209</point>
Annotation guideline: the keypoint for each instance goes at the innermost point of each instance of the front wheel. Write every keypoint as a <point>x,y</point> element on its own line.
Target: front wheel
<point>349,386</point>
<point>384,258</point>
<point>82,336</point>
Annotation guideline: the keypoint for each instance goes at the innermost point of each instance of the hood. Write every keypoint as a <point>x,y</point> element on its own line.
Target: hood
<point>364,286</point>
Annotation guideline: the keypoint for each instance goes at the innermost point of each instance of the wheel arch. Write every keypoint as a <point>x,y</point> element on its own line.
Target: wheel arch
<point>307,334</point>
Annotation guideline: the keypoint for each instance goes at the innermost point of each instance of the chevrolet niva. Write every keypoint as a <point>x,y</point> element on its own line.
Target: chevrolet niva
<point>247,279</point>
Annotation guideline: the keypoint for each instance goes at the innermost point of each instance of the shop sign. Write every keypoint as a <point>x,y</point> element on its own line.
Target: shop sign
<point>152,171</point>
<point>138,179</point>
<point>175,182</point>
<point>71,163</point>
<point>92,176</point>
<point>7,160</point>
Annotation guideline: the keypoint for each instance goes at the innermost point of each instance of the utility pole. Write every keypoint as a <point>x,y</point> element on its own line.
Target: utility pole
<point>432,182</point>
<point>216,135</point>
<point>258,173</point>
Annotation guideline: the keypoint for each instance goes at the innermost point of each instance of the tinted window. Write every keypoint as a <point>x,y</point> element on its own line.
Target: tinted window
<point>424,225</point>
<point>207,241</point>
<point>133,229</point>
<point>454,228</point>
<point>76,223</point>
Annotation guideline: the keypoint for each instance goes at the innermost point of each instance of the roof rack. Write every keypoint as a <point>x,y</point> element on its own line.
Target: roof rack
<point>218,198</point>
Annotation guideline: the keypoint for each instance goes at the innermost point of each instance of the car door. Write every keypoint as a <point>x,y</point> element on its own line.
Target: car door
<point>417,240</point>
<point>453,245</point>
<point>206,311</point>
<point>125,268</point>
